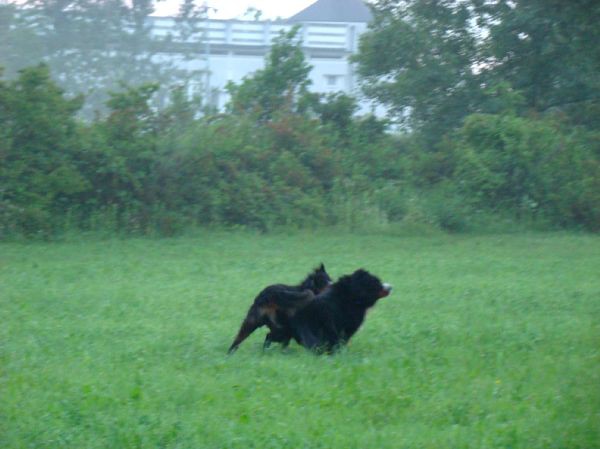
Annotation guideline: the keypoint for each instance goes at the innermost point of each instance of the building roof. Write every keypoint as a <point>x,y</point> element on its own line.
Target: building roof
<point>334,11</point>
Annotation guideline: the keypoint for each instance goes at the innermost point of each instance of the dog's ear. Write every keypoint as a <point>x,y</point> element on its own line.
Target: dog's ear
<point>361,273</point>
<point>322,267</point>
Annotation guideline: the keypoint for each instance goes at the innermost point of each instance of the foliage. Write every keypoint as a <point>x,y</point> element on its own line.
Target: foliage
<point>417,60</point>
<point>282,86</point>
<point>545,49</point>
<point>531,167</point>
<point>20,45</point>
<point>434,63</point>
<point>91,46</point>
<point>231,172</point>
<point>282,156</point>
<point>337,110</point>
<point>39,137</point>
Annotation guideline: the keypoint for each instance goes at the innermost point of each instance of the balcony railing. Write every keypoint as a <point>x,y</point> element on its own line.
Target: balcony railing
<point>331,36</point>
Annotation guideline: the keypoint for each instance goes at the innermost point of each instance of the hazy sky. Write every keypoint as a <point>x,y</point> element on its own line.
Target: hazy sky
<point>231,9</point>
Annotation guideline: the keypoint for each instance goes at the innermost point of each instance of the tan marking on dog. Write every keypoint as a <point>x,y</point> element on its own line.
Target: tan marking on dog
<point>270,310</point>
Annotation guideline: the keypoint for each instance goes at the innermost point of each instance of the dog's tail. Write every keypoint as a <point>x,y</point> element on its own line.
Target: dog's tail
<point>252,322</point>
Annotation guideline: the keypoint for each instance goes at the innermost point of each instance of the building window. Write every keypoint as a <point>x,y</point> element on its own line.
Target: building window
<point>331,80</point>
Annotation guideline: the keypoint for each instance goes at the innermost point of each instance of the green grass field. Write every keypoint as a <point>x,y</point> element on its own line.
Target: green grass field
<point>485,342</point>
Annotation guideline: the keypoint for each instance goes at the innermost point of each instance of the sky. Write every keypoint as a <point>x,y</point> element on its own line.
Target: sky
<point>235,9</point>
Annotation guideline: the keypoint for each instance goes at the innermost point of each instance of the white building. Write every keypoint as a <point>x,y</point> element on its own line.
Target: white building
<point>228,50</point>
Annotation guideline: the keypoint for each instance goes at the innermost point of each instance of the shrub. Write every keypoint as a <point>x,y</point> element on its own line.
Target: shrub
<point>529,166</point>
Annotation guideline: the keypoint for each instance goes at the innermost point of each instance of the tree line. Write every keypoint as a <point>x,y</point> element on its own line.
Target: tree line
<point>496,103</point>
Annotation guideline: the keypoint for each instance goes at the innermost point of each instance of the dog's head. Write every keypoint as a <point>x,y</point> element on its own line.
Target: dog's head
<point>362,288</point>
<point>318,280</point>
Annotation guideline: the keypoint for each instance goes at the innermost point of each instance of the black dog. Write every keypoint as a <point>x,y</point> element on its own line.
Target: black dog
<point>276,304</point>
<point>334,316</point>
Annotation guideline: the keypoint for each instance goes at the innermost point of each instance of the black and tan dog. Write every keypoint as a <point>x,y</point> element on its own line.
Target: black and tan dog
<point>277,304</point>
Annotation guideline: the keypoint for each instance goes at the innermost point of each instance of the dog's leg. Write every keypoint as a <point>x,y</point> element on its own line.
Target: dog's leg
<point>275,335</point>
<point>268,341</point>
<point>285,342</point>
<point>332,339</point>
<point>282,336</point>
<point>308,339</point>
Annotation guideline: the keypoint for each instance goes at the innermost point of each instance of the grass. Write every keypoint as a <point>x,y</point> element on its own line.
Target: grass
<point>486,342</point>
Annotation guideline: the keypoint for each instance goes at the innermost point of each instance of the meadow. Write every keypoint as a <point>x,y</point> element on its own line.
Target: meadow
<point>488,341</point>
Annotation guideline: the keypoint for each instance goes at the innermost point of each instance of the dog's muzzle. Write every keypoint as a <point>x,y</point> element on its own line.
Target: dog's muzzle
<point>386,290</point>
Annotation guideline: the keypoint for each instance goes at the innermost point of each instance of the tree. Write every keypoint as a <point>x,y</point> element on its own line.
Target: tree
<point>20,45</point>
<point>435,62</point>
<point>90,46</point>
<point>417,59</point>
<point>130,144</point>
<point>547,50</point>
<point>337,110</point>
<point>191,29</point>
<point>281,86</point>
<point>39,140</point>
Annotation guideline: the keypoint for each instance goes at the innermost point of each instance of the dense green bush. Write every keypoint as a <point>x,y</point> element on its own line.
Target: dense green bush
<point>39,143</point>
<point>530,166</point>
<point>303,162</point>
<point>230,171</point>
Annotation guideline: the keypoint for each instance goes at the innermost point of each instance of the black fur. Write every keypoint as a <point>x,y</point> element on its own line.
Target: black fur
<point>276,304</point>
<point>334,316</point>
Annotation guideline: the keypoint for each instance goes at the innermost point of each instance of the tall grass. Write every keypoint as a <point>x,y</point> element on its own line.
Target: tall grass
<point>485,342</point>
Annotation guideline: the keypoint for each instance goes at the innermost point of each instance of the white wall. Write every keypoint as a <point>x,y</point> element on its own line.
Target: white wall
<point>231,50</point>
